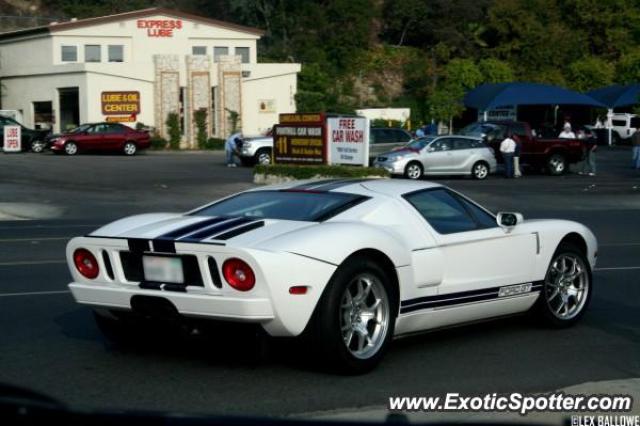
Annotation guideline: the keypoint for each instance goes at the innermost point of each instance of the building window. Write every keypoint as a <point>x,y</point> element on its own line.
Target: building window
<point>219,51</point>
<point>116,53</point>
<point>199,50</point>
<point>243,52</point>
<point>92,53</point>
<point>69,53</point>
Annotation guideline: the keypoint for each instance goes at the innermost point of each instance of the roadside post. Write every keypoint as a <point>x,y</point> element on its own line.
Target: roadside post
<point>12,139</point>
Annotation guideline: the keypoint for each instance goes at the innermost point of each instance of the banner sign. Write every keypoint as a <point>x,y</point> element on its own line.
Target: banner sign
<point>120,119</point>
<point>314,118</point>
<point>12,139</point>
<point>348,140</point>
<point>160,27</point>
<point>120,103</point>
<point>300,144</point>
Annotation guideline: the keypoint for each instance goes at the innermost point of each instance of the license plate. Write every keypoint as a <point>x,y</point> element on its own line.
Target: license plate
<point>163,269</point>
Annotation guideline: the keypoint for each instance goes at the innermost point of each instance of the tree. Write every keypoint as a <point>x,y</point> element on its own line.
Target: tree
<point>495,71</point>
<point>590,73</point>
<point>628,69</point>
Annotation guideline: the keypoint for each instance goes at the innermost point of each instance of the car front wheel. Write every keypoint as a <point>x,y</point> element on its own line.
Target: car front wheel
<point>130,148</point>
<point>70,148</point>
<point>355,318</point>
<point>37,146</point>
<point>567,287</point>
<point>413,170</point>
<point>263,156</point>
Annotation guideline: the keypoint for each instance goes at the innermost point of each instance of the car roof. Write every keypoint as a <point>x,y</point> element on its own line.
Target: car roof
<point>372,186</point>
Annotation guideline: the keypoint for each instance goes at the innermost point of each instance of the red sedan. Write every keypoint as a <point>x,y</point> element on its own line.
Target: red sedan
<point>100,137</point>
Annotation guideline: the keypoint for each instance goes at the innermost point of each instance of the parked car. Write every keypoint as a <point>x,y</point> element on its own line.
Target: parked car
<point>101,137</point>
<point>384,139</point>
<point>32,140</point>
<point>624,126</point>
<point>553,154</point>
<point>256,150</point>
<point>347,265</point>
<point>440,155</point>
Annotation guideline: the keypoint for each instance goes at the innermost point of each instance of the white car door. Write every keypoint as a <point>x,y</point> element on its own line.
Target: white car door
<point>476,252</point>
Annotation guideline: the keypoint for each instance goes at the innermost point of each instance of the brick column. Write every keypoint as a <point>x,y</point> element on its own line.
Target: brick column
<point>198,93</point>
<point>229,96</point>
<point>166,90</point>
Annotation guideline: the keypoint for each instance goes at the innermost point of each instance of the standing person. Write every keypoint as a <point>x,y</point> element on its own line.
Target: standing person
<point>589,163</point>
<point>516,156</point>
<point>420,132</point>
<point>566,132</point>
<point>599,123</point>
<point>507,149</point>
<point>635,141</point>
<point>231,149</point>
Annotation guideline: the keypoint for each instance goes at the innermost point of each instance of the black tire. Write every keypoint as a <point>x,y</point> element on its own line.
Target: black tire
<point>413,170</point>
<point>547,304</point>
<point>37,146</point>
<point>480,170</point>
<point>556,164</point>
<point>326,330</point>
<point>263,156</point>
<point>129,148</point>
<point>70,148</point>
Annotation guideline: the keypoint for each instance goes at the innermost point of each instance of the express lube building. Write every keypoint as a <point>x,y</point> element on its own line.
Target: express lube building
<point>141,66</point>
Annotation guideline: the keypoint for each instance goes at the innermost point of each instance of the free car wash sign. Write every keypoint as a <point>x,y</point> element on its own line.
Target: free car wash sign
<point>12,139</point>
<point>299,139</point>
<point>120,106</point>
<point>348,140</point>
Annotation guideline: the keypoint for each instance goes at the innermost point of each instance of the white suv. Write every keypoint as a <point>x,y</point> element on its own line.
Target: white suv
<point>256,150</point>
<point>624,126</point>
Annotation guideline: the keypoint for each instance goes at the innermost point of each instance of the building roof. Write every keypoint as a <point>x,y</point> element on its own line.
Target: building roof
<point>617,96</point>
<point>87,22</point>
<point>489,96</point>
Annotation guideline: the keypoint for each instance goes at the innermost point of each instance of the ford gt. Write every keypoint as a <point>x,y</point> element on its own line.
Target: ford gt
<point>350,263</point>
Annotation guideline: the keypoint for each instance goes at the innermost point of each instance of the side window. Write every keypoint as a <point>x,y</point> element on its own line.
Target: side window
<point>98,128</point>
<point>519,129</point>
<point>442,211</point>
<point>445,144</point>
<point>484,219</point>
<point>114,128</point>
<point>389,136</point>
<point>401,136</point>
<point>461,144</point>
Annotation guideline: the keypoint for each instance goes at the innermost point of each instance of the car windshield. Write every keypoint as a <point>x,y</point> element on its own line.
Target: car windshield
<point>477,129</point>
<point>80,129</point>
<point>419,143</point>
<point>305,206</point>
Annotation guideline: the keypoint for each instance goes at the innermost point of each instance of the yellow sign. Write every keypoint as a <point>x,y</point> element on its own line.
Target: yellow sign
<point>120,119</point>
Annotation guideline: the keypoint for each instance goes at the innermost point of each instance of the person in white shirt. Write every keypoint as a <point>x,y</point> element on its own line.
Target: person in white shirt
<point>599,123</point>
<point>566,132</point>
<point>507,149</point>
<point>231,149</point>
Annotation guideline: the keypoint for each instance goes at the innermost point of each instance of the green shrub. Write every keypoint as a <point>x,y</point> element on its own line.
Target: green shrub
<point>173,128</point>
<point>200,119</point>
<point>308,172</point>
<point>158,142</point>
<point>213,144</point>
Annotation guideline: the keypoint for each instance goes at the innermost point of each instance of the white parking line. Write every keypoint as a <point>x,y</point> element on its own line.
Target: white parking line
<point>34,293</point>
<point>19,240</point>
<point>32,262</point>
<point>618,268</point>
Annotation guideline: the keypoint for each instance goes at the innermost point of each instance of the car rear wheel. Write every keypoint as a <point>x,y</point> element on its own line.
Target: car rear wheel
<point>480,170</point>
<point>355,318</point>
<point>567,287</point>
<point>263,156</point>
<point>129,148</point>
<point>556,164</point>
<point>413,170</point>
<point>70,148</point>
<point>37,146</point>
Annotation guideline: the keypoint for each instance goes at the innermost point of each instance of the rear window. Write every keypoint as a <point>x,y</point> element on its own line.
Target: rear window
<point>304,206</point>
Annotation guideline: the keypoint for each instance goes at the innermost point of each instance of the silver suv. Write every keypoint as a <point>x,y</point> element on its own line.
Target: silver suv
<point>440,155</point>
<point>256,150</point>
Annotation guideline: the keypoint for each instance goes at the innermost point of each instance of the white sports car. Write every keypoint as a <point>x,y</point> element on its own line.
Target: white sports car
<point>352,263</point>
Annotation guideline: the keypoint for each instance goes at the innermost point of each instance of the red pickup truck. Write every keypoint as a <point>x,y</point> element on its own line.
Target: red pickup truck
<point>552,154</point>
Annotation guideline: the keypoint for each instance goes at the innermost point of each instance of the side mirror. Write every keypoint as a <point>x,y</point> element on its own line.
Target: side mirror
<point>507,220</point>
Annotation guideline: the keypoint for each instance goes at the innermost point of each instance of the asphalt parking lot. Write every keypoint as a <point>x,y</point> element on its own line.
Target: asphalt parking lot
<point>50,344</point>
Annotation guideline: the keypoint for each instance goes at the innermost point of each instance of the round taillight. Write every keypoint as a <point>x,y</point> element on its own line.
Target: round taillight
<point>86,263</point>
<point>238,274</point>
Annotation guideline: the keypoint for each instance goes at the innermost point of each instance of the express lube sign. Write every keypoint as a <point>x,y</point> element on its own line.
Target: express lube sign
<point>348,140</point>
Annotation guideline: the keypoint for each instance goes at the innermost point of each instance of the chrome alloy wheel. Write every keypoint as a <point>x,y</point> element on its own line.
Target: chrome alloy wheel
<point>70,148</point>
<point>480,171</point>
<point>264,158</point>
<point>556,164</point>
<point>364,316</point>
<point>567,286</point>
<point>414,171</point>
<point>130,148</point>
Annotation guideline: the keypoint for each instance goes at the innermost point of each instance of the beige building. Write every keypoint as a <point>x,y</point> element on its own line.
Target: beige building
<point>138,67</point>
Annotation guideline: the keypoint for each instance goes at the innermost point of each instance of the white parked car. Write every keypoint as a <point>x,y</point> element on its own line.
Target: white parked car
<point>624,126</point>
<point>352,263</point>
<point>256,150</point>
<point>440,155</point>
